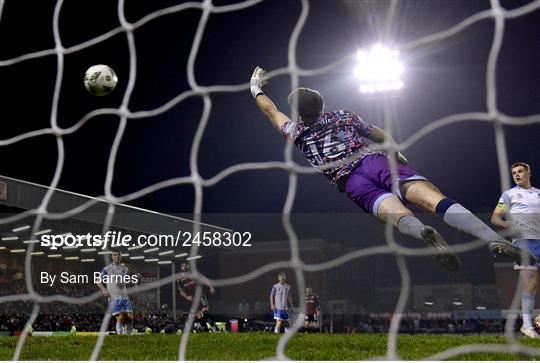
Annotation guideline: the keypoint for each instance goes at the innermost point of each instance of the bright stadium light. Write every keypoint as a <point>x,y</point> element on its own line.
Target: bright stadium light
<point>457,303</point>
<point>14,238</point>
<point>134,247</point>
<point>43,232</point>
<point>88,260</point>
<point>429,303</point>
<point>151,250</point>
<point>54,256</point>
<point>164,262</point>
<point>20,250</point>
<point>379,70</point>
<point>20,229</point>
<point>71,258</point>
<point>39,253</point>
<point>136,258</point>
<point>480,307</point>
<point>193,258</point>
<point>31,241</point>
<point>166,253</point>
<point>181,255</point>
<point>88,250</point>
<point>151,259</point>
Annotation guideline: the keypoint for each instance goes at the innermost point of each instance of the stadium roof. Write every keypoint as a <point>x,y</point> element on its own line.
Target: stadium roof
<point>78,214</point>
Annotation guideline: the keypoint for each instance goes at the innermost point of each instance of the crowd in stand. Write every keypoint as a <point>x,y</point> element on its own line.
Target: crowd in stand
<point>61,316</point>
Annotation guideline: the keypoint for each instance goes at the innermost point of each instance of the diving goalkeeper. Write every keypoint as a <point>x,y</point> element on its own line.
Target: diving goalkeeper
<point>342,139</point>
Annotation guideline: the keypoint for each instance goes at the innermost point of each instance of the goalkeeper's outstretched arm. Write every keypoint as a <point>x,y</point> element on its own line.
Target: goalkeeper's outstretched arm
<point>264,103</point>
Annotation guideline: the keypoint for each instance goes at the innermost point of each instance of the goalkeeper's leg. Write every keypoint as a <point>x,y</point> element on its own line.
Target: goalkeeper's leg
<point>391,209</point>
<point>428,197</point>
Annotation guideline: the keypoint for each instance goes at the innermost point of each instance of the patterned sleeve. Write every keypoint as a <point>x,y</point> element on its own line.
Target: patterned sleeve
<point>287,128</point>
<point>504,201</point>
<point>365,127</point>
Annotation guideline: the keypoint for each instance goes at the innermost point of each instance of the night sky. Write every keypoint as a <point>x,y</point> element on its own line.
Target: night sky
<point>442,78</point>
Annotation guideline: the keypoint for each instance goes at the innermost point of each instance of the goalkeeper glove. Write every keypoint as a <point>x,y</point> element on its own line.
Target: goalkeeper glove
<point>401,158</point>
<point>256,82</point>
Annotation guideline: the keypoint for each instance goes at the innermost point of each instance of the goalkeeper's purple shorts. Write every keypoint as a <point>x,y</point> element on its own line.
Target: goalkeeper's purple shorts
<point>371,182</point>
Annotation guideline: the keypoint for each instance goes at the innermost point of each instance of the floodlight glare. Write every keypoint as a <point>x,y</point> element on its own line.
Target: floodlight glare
<point>379,70</point>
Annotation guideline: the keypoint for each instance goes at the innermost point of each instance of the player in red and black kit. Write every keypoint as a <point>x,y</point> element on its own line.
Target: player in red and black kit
<point>312,307</point>
<point>187,291</point>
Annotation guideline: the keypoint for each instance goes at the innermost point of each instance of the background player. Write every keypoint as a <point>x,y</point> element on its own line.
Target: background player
<point>280,301</point>
<point>116,292</point>
<point>187,291</point>
<point>313,307</point>
<point>519,208</point>
<point>341,137</point>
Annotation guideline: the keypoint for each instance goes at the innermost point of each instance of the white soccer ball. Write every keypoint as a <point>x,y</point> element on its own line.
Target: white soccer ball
<point>100,80</point>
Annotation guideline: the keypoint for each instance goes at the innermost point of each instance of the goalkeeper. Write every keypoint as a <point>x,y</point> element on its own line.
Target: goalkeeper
<point>343,140</point>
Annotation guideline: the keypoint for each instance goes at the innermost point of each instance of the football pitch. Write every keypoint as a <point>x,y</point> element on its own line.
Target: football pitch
<point>253,346</point>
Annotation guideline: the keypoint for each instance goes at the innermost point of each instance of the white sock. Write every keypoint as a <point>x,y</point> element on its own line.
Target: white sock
<point>286,330</point>
<point>461,218</point>
<point>276,330</point>
<point>527,305</point>
<point>410,226</point>
<point>118,328</point>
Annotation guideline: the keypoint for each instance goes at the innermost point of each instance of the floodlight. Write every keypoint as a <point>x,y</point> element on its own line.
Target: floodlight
<point>379,70</point>
<point>20,229</point>
<point>43,232</point>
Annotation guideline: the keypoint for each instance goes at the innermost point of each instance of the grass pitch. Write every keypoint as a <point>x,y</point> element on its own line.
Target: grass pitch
<point>252,346</point>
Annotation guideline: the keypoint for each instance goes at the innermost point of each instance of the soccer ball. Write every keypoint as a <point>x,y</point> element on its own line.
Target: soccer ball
<point>100,80</point>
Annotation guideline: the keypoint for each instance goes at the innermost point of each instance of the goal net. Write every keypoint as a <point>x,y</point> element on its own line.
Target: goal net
<point>183,70</point>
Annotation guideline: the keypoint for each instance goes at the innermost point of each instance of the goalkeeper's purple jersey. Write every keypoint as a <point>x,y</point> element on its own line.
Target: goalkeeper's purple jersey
<point>334,137</point>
